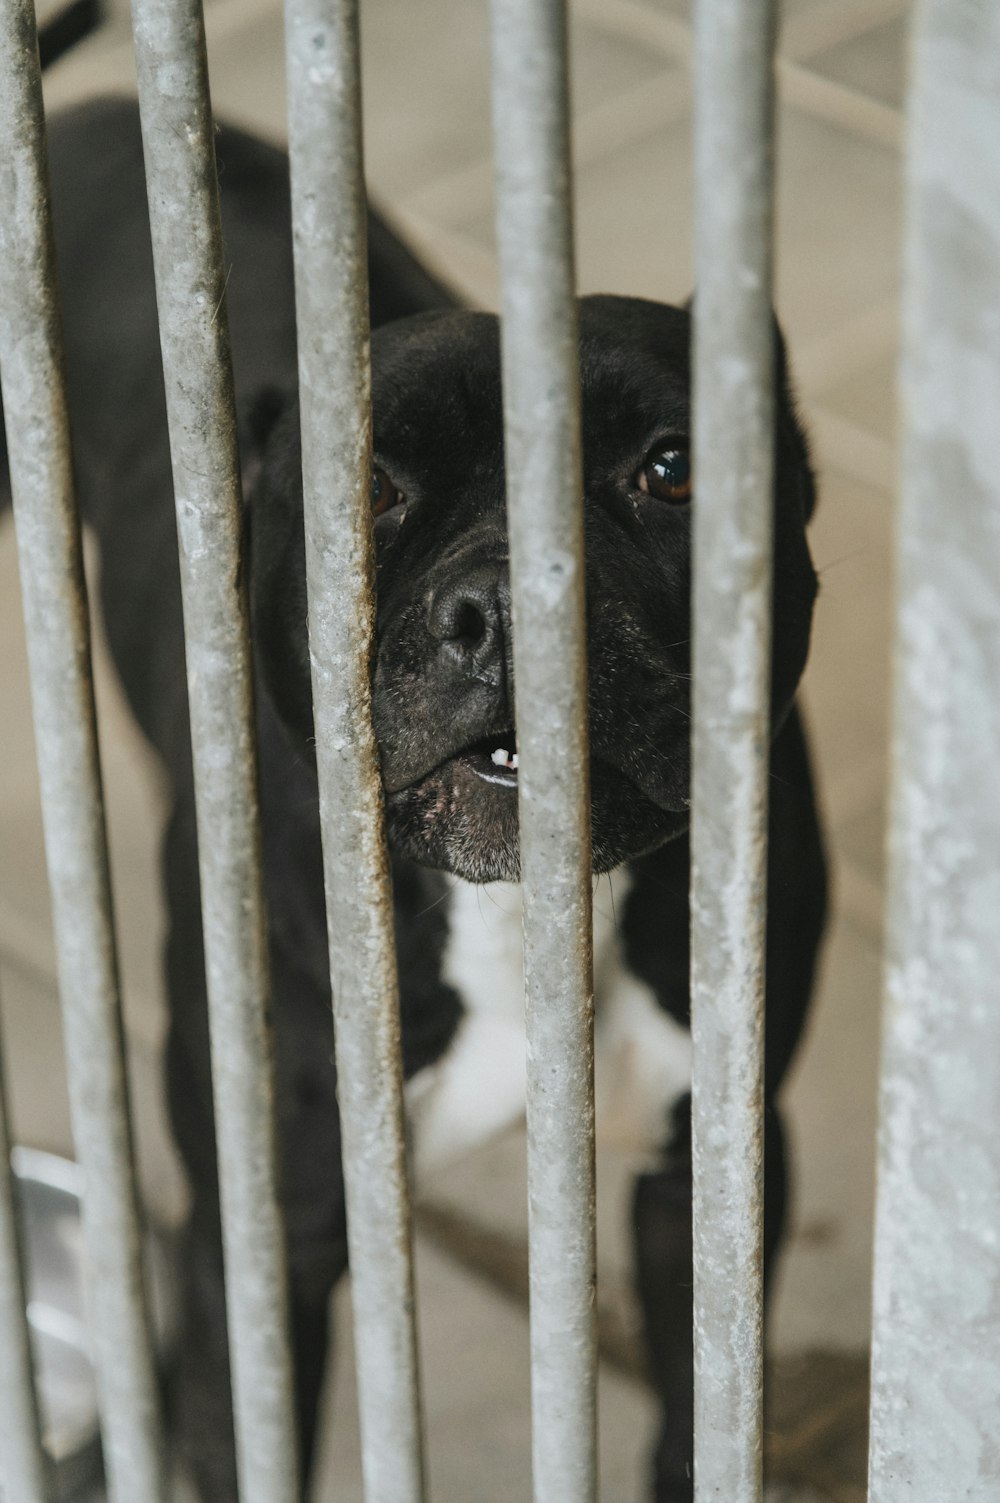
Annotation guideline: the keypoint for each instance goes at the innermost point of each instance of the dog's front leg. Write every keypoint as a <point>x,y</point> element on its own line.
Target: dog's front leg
<point>202,1416</point>
<point>663,1273</point>
<point>665,1286</point>
<point>312,1193</point>
<point>310,1178</point>
<point>202,1404</point>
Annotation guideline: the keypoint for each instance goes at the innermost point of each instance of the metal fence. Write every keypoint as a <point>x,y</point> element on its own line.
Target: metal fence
<point>936,1373</point>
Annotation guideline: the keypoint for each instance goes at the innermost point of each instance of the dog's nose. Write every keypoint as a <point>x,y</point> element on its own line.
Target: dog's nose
<point>472,616</point>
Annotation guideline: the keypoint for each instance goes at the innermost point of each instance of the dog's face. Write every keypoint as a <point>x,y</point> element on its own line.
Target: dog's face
<point>443,680</point>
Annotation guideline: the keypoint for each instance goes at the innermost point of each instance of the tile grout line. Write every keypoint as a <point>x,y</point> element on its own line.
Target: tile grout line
<point>837,104</point>
<point>596,133</point>
<point>595,136</point>
<point>823,25</point>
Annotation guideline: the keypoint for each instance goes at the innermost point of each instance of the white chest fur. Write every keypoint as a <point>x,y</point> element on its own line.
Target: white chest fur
<point>642,1056</point>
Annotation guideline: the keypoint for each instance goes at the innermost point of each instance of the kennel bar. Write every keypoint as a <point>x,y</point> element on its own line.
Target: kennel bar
<point>23,1468</point>
<point>55,612</point>
<point>540,359</point>
<point>331,289</point>
<point>733,463</point>
<point>936,1327</point>
<point>179,153</point>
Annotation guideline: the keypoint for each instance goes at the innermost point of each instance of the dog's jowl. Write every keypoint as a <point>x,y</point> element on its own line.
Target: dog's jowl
<point>444,717</point>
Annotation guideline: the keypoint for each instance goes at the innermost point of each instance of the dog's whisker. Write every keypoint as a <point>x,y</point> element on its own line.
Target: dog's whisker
<point>614,908</point>
<point>441,898</point>
<point>843,558</point>
<point>222,294</point>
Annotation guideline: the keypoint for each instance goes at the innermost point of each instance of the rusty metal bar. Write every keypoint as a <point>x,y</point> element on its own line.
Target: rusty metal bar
<point>55,608</point>
<point>733,462</point>
<point>72,803</point>
<point>23,1470</point>
<point>190,286</point>
<point>331,285</point>
<point>545,511</point>
<point>935,1423</point>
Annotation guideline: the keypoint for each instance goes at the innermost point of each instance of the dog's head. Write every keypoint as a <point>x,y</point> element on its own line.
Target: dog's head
<point>443,682</point>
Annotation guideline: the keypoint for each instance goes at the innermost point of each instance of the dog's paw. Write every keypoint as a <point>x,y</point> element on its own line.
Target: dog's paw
<point>672,1468</point>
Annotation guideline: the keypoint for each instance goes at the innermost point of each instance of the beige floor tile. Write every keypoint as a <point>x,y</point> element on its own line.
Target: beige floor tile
<point>35,1073</point>
<point>822,365</point>
<point>837,225</point>
<point>809,27</point>
<point>133,811</point>
<point>247,66</point>
<point>428,133</point>
<point>25,924</point>
<point>34,1068</point>
<point>867,396</point>
<point>847,681</point>
<point>788,9</point>
<point>822,1297</point>
<point>857,452</point>
<point>873,62</point>
<point>28,990</point>
<point>490,1189</point>
<point>633,219</point>
<point>19,776</point>
<point>861,839</point>
<point>838,220</point>
<point>475,1362</point>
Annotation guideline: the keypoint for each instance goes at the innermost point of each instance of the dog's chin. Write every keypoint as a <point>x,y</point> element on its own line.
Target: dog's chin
<point>462,818</point>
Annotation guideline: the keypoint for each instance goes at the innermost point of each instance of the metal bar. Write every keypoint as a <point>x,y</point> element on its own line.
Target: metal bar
<point>23,1470</point>
<point>733,462</point>
<point>540,351</point>
<point>55,609</point>
<point>331,287</point>
<point>190,285</point>
<point>935,1424</point>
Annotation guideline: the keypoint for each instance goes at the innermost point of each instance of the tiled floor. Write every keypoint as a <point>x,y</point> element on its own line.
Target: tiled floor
<point>428,150</point>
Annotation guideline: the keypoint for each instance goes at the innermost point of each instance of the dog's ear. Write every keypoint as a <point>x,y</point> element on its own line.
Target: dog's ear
<point>790,434</point>
<point>255,427</point>
<point>274,544</point>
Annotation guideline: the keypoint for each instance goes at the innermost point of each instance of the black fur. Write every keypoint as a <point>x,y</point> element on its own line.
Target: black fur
<point>442,681</point>
<point>66,29</point>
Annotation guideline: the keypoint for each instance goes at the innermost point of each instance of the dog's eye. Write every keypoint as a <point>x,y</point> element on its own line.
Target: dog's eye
<point>666,474</point>
<point>384,494</point>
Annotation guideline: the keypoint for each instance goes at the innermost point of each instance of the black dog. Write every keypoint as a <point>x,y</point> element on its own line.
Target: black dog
<point>444,717</point>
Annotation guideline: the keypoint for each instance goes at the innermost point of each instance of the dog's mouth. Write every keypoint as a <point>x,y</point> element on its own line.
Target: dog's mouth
<point>462,815</point>
<point>492,758</point>
<point>489,758</point>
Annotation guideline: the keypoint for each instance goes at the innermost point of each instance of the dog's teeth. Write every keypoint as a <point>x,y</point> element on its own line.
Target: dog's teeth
<point>499,757</point>
<point>513,761</point>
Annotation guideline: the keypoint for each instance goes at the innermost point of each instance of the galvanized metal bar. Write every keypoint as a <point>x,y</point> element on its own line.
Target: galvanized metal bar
<point>55,608</point>
<point>733,462</point>
<point>23,1470</point>
<point>935,1423</point>
<point>544,501</point>
<point>190,286</point>
<point>331,287</point>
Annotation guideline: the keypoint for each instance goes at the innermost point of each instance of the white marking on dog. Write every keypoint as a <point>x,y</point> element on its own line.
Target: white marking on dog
<point>477,1089</point>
